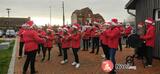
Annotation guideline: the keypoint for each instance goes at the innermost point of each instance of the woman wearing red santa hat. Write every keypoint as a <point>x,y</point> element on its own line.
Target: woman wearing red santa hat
<point>149,37</point>
<point>121,28</point>
<point>20,34</point>
<point>58,41</point>
<point>75,42</point>
<point>139,51</point>
<point>128,31</point>
<point>48,44</point>
<point>30,40</point>
<point>85,37</point>
<point>104,39</point>
<point>42,33</point>
<point>95,37</point>
<point>66,37</point>
<point>113,41</point>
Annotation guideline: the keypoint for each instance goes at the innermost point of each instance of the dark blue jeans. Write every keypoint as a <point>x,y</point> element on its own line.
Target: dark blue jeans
<point>112,53</point>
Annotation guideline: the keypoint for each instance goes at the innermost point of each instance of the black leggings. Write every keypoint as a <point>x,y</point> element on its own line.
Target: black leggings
<point>44,52</point>
<point>85,44</point>
<point>30,60</point>
<point>120,44</point>
<point>60,48</point>
<point>148,55</point>
<point>40,48</point>
<point>75,52</point>
<point>65,56</point>
<point>95,44</point>
<point>21,48</point>
<point>105,50</point>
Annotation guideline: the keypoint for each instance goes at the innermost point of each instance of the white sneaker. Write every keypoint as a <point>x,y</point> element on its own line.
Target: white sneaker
<point>149,65</point>
<point>74,63</point>
<point>77,65</point>
<point>64,61</point>
<point>103,56</point>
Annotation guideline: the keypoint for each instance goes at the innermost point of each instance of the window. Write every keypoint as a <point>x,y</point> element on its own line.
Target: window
<point>89,15</point>
<point>157,14</point>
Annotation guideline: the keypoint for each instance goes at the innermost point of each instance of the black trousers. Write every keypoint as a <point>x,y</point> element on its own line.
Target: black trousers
<point>120,44</point>
<point>49,52</point>
<point>140,51</point>
<point>40,48</point>
<point>89,41</point>
<point>105,50</point>
<point>95,44</point>
<point>21,48</point>
<point>148,55</point>
<point>65,56</point>
<point>85,44</point>
<point>127,43</point>
<point>30,60</point>
<point>75,52</point>
<point>60,48</point>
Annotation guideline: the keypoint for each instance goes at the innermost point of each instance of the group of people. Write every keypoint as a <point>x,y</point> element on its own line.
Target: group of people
<point>107,34</point>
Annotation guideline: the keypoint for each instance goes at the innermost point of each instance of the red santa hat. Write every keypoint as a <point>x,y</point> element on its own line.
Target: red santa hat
<point>107,23</point>
<point>120,23</point>
<point>24,25</point>
<point>29,23</point>
<point>140,24</point>
<point>60,28</point>
<point>149,20</point>
<point>49,29</point>
<point>76,26</point>
<point>95,22</point>
<point>128,25</point>
<point>65,29</point>
<point>87,26</point>
<point>114,21</point>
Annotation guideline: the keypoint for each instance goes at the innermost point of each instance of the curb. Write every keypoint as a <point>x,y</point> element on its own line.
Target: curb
<point>12,62</point>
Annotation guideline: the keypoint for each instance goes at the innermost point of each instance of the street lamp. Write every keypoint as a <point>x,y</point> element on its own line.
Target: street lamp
<point>63,12</point>
<point>8,11</point>
<point>50,14</point>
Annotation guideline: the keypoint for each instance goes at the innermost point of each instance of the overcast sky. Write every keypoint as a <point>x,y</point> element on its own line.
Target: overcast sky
<point>38,10</point>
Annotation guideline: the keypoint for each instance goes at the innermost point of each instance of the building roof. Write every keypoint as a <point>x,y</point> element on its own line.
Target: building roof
<point>98,16</point>
<point>83,11</point>
<point>131,4</point>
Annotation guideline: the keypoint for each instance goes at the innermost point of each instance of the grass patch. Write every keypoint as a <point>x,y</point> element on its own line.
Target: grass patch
<point>5,57</point>
<point>2,41</point>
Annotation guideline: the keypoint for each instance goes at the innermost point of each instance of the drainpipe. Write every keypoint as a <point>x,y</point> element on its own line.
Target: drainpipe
<point>131,13</point>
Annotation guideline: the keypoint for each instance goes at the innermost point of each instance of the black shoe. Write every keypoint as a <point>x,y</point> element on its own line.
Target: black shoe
<point>42,60</point>
<point>48,59</point>
<point>23,72</point>
<point>19,57</point>
<point>35,72</point>
<point>148,66</point>
<point>92,52</point>
<point>60,55</point>
<point>83,50</point>
<point>112,72</point>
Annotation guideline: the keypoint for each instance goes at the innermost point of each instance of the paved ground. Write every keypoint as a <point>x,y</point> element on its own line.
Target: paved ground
<point>90,64</point>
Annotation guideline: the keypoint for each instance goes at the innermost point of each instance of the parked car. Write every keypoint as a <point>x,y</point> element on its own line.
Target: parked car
<point>10,33</point>
<point>1,33</point>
